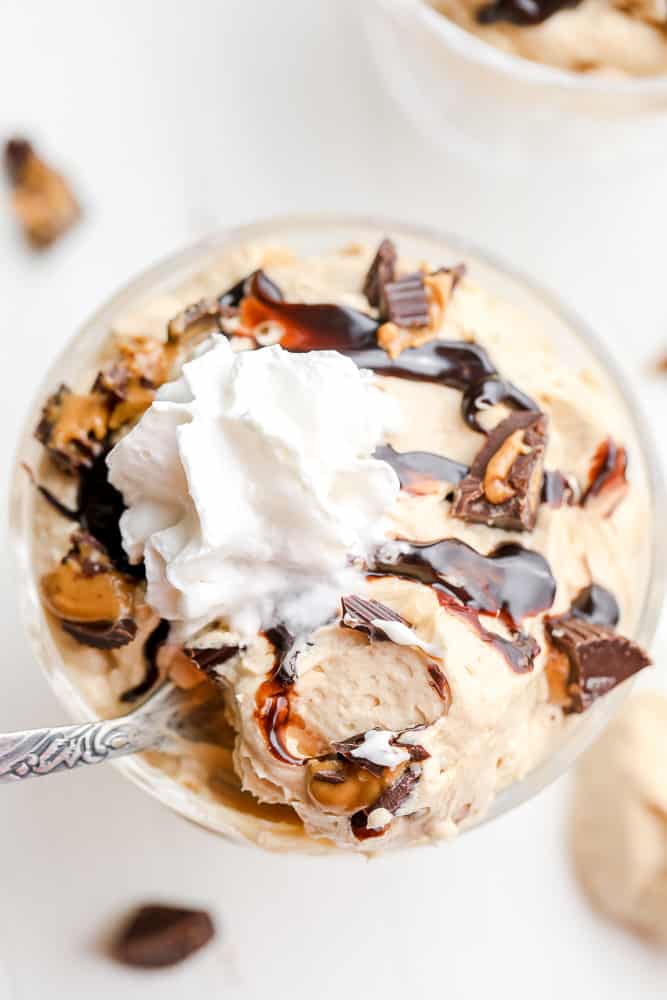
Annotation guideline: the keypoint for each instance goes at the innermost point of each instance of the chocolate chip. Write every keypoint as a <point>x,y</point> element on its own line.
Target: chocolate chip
<point>159,936</point>
<point>151,675</point>
<point>364,616</point>
<point>598,658</point>
<point>405,301</point>
<point>607,482</point>
<point>381,272</point>
<point>102,635</point>
<point>504,486</point>
<point>522,12</point>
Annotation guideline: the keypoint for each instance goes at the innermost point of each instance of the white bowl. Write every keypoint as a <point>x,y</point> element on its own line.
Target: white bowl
<point>505,111</point>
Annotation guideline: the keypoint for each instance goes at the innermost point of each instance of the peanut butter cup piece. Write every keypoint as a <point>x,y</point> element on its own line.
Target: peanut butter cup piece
<point>381,272</point>
<point>405,301</point>
<point>504,486</point>
<point>93,601</point>
<point>607,481</point>
<point>389,802</point>
<point>42,198</point>
<point>158,936</point>
<point>596,660</point>
<point>73,428</point>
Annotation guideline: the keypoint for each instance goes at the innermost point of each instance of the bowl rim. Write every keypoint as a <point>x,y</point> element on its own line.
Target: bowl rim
<point>187,261</point>
<point>526,71</point>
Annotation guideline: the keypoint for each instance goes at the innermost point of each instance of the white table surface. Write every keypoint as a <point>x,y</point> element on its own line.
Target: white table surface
<point>173,118</point>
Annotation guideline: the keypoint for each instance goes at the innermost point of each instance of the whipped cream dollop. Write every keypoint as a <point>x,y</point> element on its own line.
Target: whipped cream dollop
<point>251,489</point>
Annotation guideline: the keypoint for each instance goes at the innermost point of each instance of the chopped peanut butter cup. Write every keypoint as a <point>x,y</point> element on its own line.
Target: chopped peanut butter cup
<point>504,486</point>
<point>93,601</point>
<point>73,428</point>
<point>367,616</point>
<point>42,198</point>
<point>386,805</point>
<point>607,481</point>
<point>596,660</point>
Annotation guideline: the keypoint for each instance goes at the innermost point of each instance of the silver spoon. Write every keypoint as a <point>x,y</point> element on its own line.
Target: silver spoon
<point>36,752</point>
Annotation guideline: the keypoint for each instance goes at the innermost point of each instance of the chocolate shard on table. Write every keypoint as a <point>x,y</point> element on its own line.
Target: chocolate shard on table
<point>607,480</point>
<point>596,660</point>
<point>73,428</point>
<point>367,616</point>
<point>158,936</point>
<point>381,272</point>
<point>42,198</point>
<point>504,486</point>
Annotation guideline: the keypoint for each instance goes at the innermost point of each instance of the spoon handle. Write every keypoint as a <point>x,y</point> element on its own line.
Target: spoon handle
<point>37,752</point>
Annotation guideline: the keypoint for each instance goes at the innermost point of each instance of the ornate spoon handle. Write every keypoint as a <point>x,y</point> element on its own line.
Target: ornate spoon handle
<point>37,752</point>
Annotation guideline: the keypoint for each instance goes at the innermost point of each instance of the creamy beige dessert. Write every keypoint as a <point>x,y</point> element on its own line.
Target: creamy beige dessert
<point>368,512</point>
<point>607,37</point>
<point>620,819</point>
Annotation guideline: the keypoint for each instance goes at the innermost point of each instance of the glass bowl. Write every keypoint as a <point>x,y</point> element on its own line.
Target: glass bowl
<point>308,235</point>
<point>470,96</point>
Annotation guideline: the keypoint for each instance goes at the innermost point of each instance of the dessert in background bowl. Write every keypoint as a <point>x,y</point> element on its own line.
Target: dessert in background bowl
<point>382,504</point>
<point>584,88</point>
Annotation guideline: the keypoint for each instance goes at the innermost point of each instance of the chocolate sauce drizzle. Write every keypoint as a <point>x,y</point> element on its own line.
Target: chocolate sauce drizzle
<point>272,701</point>
<point>511,581</point>
<point>417,470</point>
<point>596,605</point>
<point>451,363</point>
<point>151,648</point>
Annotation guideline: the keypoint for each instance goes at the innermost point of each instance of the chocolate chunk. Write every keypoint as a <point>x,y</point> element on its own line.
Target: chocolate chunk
<point>607,482</point>
<point>489,391</point>
<point>364,615</point>
<point>158,936</point>
<point>596,605</point>
<point>522,12</point>
<point>73,428</point>
<point>42,199</point>
<point>152,674</point>
<point>102,635</point>
<point>201,317</point>
<point>391,799</point>
<point>558,490</point>
<point>208,658</point>
<point>405,301</point>
<point>598,658</point>
<point>504,486</point>
<point>381,272</point>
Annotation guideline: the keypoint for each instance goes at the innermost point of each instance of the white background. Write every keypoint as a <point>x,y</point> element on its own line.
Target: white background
<point>173,118</point>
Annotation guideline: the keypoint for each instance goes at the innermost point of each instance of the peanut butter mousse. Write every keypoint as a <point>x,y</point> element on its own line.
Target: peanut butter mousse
<point>602,37</point>
<point>363,507</point>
